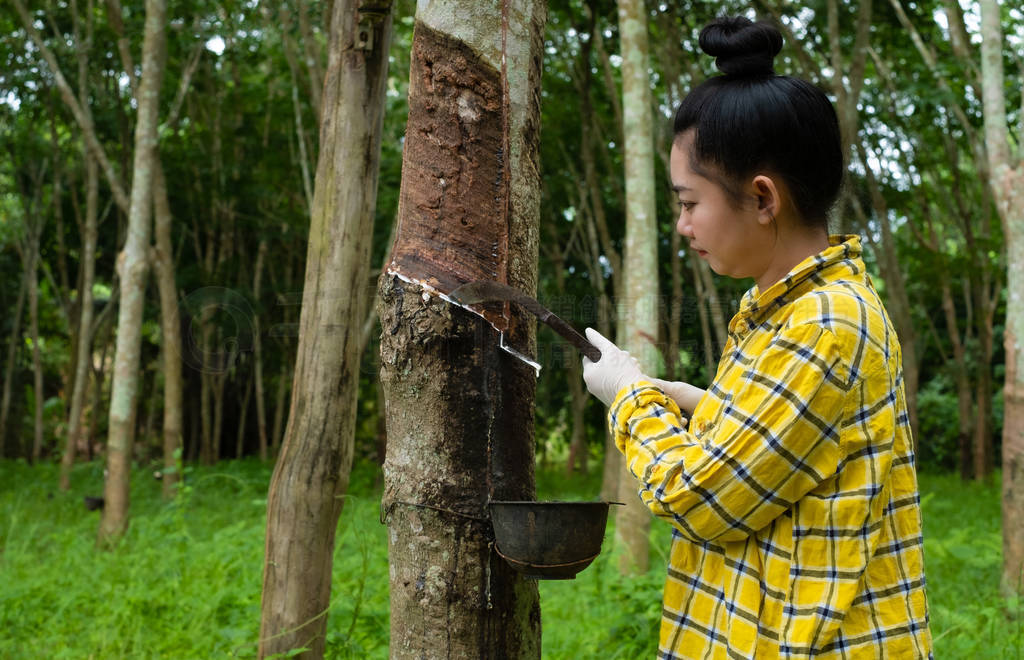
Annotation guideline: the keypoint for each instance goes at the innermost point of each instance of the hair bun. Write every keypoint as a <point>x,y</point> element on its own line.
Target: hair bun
<point>740,46</point>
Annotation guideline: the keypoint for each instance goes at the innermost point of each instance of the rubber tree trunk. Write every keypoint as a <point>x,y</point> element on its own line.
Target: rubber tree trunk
<point>83,355</point>
<point>261,413</point>
<point>312,473</point>
<point>90,233</point>
<point>460,409</point>
<point>170,330</point>
<point>132,266</point>
<point>961,377</point>
<point>13,343</point>
<point>599,238</point>
<point>32,275</point>
<point>1007,182</point>
<point>638,322</point>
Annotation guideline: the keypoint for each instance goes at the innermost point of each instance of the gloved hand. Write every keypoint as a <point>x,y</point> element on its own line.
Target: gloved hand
<point>685,395</point>
<point>616,369</point>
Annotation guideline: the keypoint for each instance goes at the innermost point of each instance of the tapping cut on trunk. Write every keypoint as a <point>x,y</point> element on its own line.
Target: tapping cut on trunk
<point>453,223</point>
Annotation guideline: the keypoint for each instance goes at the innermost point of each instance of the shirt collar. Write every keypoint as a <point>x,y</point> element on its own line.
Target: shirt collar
<point>841,258</point>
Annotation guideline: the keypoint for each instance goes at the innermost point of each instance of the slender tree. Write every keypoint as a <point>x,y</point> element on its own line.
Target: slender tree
<point>28,249</point>
<point>312,473</point>
<point>261,414</point>
<point>90,235</point>
<point>132,267</point>
<point>638,321</point>
<point>1006,178</point>
<point>460,409</point>
<point>162,259</point>
<point>13,343</point>
<point>84,353</point>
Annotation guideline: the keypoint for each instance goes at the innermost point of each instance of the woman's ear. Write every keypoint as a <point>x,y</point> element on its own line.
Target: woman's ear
<point>768,196</point>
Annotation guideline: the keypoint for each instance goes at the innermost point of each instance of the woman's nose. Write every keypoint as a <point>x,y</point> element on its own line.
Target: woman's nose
<point>683,226</point>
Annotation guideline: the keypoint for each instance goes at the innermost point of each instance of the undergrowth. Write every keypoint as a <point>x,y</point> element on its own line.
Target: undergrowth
<point>185,580</point>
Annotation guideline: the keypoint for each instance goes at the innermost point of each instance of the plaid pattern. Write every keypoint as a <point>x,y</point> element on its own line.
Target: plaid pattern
<point>793,495</point>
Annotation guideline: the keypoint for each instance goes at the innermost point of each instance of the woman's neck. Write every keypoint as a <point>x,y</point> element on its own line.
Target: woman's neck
<point>790,250</point>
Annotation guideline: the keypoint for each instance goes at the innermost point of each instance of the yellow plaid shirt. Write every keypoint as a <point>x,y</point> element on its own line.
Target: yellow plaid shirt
<point>793,495</point>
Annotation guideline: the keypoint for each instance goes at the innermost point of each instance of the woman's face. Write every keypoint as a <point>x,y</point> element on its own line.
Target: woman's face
<point>731,239</point>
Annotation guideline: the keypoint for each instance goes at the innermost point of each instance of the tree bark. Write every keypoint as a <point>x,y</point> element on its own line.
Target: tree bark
<point>1006,173</point>
<point>960,377</point>
<point>13,343</point>
<point>567,361</point>
<point>459,409</point>
<point>32,275</point>
<point>257,349</point>
<point>170,330</point>
<point>716,309</point>
<point>984,445</point>
<point>304,500</point>
<point>704,311</point>
<point>161,256</point>
<point>132,266</point>
<point>638,321</point>
<point>90,235</point>
<point>598,236</point>
<point>219,383</point>
<point>291,57</point>
<point>243,416</point>
<point>673,368</point>
<point>284,379</point>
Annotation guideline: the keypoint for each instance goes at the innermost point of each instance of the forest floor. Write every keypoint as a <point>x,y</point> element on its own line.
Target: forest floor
<point>185,581</point>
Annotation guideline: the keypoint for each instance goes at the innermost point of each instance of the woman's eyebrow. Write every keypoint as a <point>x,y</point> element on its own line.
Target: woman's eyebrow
<point>678,187</point>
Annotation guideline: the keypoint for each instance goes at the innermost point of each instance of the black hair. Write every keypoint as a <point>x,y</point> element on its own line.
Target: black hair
<point>750,120</point>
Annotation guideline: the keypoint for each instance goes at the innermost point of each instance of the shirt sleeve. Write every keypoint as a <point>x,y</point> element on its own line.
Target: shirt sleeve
<point>775,438</point>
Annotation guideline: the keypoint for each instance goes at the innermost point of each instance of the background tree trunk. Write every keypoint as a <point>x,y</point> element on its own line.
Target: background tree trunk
<point>80,382</point>
<point>257,349</point>
<point>638,320</point>
<point>132,264</point>
<point>1007,181</point>
<point>13,343</point>
<point>170,329</point>
<point>312,472</point>
<point>89,231</point>
<point>460,410</point>
<point>32,275</point>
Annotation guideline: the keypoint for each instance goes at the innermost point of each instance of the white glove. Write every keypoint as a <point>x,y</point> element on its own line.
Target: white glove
<point>685,395</point>
<point>615,370</point>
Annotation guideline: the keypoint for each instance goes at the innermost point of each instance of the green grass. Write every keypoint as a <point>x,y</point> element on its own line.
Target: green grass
<point>185,581</point>
<point>963,562</point>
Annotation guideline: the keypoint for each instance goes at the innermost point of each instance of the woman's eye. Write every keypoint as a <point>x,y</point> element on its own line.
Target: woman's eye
<point>688,205</point>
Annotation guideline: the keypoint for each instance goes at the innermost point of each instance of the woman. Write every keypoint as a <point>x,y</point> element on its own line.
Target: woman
<point>792,492</point>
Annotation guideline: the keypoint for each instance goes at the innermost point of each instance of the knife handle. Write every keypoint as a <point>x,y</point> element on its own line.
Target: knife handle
<point>574,337</point>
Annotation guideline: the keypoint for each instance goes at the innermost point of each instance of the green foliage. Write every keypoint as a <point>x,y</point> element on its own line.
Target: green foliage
<point>963,562</point>
<point>185,580</point>
<point>938,414</point>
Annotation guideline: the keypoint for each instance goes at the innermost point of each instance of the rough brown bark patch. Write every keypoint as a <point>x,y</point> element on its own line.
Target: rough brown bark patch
<point>453,226</point>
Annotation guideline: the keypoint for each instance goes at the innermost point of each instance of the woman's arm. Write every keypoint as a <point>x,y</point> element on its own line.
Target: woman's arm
<point>776,440</point>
